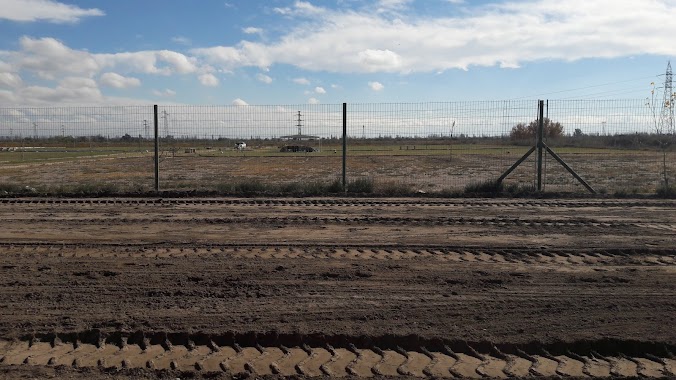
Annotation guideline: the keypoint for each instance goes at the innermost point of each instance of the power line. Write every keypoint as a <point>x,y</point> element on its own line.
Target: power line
<point>585,88</point>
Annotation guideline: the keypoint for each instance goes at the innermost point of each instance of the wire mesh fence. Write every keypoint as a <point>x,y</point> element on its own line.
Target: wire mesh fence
<point>76,148</point>
<point>616,146</point>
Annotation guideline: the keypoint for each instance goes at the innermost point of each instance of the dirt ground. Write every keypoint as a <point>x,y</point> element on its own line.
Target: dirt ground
<point>626,172</point>
<point>229,288</point>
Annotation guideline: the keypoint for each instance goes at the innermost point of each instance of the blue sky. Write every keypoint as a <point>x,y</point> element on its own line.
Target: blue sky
<point>330,51</point>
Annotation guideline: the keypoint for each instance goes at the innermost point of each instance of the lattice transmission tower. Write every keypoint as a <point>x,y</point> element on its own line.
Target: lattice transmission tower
<point>667,112</point>
<point>165,117</point>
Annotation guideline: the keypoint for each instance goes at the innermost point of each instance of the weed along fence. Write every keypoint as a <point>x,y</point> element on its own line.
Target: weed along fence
<point>603,146</point>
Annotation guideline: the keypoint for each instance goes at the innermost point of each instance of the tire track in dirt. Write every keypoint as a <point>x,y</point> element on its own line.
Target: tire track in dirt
<point>647,256</point>
<point>568,223</point>
<point>465,360</point>
<point>460,202</point>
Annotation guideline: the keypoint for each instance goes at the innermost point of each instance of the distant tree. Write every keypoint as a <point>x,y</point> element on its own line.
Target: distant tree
<point>578,133</point>
<point>523,131</point>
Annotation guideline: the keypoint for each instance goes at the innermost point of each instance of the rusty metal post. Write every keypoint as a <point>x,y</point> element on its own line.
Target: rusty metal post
<point>344,146</point>
<point>157,149</point>
<point>540,146</point>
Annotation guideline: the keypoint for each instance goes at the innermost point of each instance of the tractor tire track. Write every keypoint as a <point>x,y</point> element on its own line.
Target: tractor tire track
<point>365,361</point>
<point>590,256</point>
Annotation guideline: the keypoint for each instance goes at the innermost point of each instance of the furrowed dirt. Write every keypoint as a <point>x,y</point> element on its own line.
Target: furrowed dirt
<point>153,288</point>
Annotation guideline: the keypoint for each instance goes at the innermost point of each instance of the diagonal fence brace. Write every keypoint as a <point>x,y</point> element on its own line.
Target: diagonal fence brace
<point>516,164</point>
<point>570,170</point>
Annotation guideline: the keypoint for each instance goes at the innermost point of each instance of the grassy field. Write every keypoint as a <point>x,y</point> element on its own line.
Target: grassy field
<point>429,168</point>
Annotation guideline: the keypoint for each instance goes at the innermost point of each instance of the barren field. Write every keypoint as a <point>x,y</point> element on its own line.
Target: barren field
<point>428,168</point>
<point>236,288</point>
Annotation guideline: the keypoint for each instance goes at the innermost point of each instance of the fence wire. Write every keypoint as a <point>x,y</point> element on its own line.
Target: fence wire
<point>76,149</point>
<point>618,146</point>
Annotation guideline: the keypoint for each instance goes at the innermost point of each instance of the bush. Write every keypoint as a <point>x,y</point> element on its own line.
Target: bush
<point>528,131</point>
<point>361,186</point>
<point>664,191</point>
<point>486,187</point>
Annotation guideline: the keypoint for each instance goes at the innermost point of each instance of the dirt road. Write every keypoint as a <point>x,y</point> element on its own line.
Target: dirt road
<point>148,288</point>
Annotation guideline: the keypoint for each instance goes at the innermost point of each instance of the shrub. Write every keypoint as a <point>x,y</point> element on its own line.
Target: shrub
<point>528,131</point>
<point>486,187</point>
<point>361,186</point>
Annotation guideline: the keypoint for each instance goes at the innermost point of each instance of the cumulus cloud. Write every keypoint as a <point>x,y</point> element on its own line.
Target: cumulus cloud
<point>167,93</point>
<point>118,81</point>
<point>301,81</point>
<point>503,34</point>
<point>209,80</point>
<point>313,101</point>
<point>239,102</point>
<point>376,86</point>
<point>50,58</point>
<point>264,78</point>
<point>181,40</point>
<point>392,5</point>
<point>10,80</point>
<point>68,90</point>
<point>252,30</point>
<point>44,10</point>
<point>300,8</point>
<point>320,90</point>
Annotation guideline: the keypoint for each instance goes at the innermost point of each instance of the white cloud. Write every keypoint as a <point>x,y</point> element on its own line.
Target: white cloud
<point>320,90</point>
<point>239,102</point>
<point>456,1</point>
<point>181,40</point>
<point>168,93</point>
<point>264,78</point>
<point>50,59</point>
<point>208,79</point>
<point>160,62</point>
<point>505,33</point>
<point>11,80</point>
<point>300,8</point>
<point>44,10</point>
<point>376,86</point>
<point>69,90</point>
<point>252,30</point>
<point>379,60</point>
<point>335,86</point>
<point>118,81</point>
<point>392,5</point>
<point>301,81</point>
<point>313,101</point>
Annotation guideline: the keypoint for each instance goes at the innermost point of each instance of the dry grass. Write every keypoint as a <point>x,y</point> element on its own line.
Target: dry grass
<point>611,171</point>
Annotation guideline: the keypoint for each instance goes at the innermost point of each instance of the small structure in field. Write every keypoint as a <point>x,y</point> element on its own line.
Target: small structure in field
<point>297,148</point>
<point>299,137</point>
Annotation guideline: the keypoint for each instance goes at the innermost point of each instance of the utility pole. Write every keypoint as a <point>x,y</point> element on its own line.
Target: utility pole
<point>667,112</point>
<point>299,124</point>
<point>165,116</point>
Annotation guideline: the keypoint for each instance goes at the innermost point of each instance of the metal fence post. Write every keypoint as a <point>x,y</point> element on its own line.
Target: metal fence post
<point>157,150</point>
<point>344,146</point>
<point>540,133</point>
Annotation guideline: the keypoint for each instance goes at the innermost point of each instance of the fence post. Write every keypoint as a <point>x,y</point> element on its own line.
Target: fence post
<point>540,133</point>
<point>157,149</point>
<point>344,146</point>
